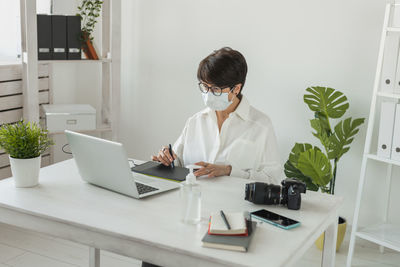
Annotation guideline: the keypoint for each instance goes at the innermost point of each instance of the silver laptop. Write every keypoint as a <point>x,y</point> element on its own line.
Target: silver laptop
<point>104,163</point>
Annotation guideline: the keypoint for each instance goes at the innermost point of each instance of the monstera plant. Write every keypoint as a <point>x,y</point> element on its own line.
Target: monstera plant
<point>314,166</point>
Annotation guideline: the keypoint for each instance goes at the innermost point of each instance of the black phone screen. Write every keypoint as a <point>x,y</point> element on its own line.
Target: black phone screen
<point>275,218</point>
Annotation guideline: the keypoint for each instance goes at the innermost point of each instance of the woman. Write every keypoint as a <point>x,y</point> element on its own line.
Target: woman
<point>229,137</point>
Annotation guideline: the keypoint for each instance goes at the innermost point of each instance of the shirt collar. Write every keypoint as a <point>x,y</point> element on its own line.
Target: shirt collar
<point>242,109</point>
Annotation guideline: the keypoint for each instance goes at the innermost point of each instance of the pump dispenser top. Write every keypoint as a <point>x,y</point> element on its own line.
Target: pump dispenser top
<point>191,178</point>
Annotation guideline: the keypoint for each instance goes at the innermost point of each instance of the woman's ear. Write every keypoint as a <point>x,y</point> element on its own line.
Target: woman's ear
<point>237,88</point>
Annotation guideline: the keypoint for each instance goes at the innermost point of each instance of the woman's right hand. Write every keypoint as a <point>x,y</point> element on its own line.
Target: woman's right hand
<point>164,156</point>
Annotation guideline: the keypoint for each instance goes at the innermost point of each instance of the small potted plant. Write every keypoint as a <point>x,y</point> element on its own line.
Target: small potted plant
<point>24,142</point>
<point>89,11</point>
<point>314,166</point>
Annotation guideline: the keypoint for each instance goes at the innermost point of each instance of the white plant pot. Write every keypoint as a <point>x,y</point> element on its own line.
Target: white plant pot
<point>25,171</point>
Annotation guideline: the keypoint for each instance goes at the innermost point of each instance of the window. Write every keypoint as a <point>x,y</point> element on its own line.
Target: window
<point>10,27</point>
<point>10,31</point>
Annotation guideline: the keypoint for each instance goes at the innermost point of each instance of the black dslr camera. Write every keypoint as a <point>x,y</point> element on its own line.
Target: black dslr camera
<point>287,194</point>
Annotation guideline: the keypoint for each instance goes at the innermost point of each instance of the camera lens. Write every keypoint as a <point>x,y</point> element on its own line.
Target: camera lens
<point>273,194</point>
<point>249,192</point>
<point>246,192</point>
<point>261,193</point>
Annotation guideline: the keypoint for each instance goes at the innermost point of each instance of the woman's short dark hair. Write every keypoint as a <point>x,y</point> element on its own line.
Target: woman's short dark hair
<point>223,68</point>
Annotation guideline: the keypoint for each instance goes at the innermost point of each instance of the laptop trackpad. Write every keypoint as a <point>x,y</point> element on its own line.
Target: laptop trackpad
<point>144,179</point>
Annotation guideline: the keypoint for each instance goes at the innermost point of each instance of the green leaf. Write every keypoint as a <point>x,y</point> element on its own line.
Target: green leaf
<point>324,121</point>
<point>296,150</point>
<point>328,101</point>
<point>291,169</point>
<point>320,133</point>
<point>314,164</point>
<point>292,172</point>
<point>89,12</point>
<point>343,136</point>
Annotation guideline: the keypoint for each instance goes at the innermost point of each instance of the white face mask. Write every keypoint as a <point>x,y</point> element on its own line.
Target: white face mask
<point>216,102</point>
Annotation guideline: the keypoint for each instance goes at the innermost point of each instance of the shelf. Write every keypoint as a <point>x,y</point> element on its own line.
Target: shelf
<point>84,61</point>
<point>385,160</point>
<point>396,96</point>
<point>10,63</point>
<point>387,235</point>
<point>393,29</point>
<point>98,130</point>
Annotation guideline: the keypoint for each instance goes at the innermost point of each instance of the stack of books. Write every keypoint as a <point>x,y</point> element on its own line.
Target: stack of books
<point>237,238</point>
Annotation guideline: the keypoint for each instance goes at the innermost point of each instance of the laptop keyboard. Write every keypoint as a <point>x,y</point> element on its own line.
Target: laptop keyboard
<point>143,189</point>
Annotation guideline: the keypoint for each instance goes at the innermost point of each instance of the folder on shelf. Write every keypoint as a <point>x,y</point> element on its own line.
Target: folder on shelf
<point>59,36</point>
<point>73,37</point>
<point>396,87</point>
<point>396,135</point>
<point>44,36</point>
<point>386,126</point>
<point>396,16</point>
<point>390,56</point>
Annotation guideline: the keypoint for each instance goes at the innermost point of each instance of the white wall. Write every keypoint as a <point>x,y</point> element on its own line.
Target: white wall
<point>289,45</point>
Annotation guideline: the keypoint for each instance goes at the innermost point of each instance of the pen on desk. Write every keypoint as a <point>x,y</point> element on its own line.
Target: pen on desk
<point>172,155</point>
<point>225,220</point>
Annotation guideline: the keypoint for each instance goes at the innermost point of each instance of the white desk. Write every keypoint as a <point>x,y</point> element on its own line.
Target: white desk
<point>149,229</point>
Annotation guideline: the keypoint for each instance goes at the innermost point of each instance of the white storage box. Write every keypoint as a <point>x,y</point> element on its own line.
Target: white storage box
<point>73,117</point>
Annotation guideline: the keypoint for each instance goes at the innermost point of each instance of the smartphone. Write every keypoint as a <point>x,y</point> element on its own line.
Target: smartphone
<point>275,219</point>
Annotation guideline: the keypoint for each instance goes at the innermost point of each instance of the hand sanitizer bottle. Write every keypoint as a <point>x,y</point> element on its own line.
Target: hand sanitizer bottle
<point>190,198</point>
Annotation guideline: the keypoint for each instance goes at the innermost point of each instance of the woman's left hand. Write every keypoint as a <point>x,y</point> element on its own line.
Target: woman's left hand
<point>212,170</point>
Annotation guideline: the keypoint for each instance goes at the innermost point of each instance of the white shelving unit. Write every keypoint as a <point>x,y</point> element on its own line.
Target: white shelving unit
<point>383,94</point>
<point>388,161</point>
<point>82,61</point>
<point>110,55</point>
<point>387,235</point>
<point>384,233</point>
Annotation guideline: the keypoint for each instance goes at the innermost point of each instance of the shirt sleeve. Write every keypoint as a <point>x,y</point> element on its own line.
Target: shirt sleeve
<point>179,146</point>
<point>270,169</point>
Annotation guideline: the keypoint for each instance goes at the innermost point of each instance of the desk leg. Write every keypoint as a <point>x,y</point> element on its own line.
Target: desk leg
<point>94,257</point>
<point>329,252</point>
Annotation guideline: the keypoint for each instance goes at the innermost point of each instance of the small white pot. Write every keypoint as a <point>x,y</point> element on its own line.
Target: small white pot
<point>25,171</point>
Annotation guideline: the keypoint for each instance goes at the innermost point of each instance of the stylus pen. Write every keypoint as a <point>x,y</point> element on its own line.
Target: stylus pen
<point>170,152</point>
<point>225,220</point>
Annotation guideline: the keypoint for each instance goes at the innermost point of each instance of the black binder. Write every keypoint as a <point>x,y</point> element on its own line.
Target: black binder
<point>159,170</point>
<point>44,37</point>
<point>59,36</point>
<point>73,37</point>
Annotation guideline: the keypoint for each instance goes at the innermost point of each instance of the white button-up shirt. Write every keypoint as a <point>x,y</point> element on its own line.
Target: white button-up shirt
<point>247,142</point>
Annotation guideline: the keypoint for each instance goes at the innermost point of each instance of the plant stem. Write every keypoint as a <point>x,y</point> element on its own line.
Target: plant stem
<point>333,181</point>
<point>329,124</point>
